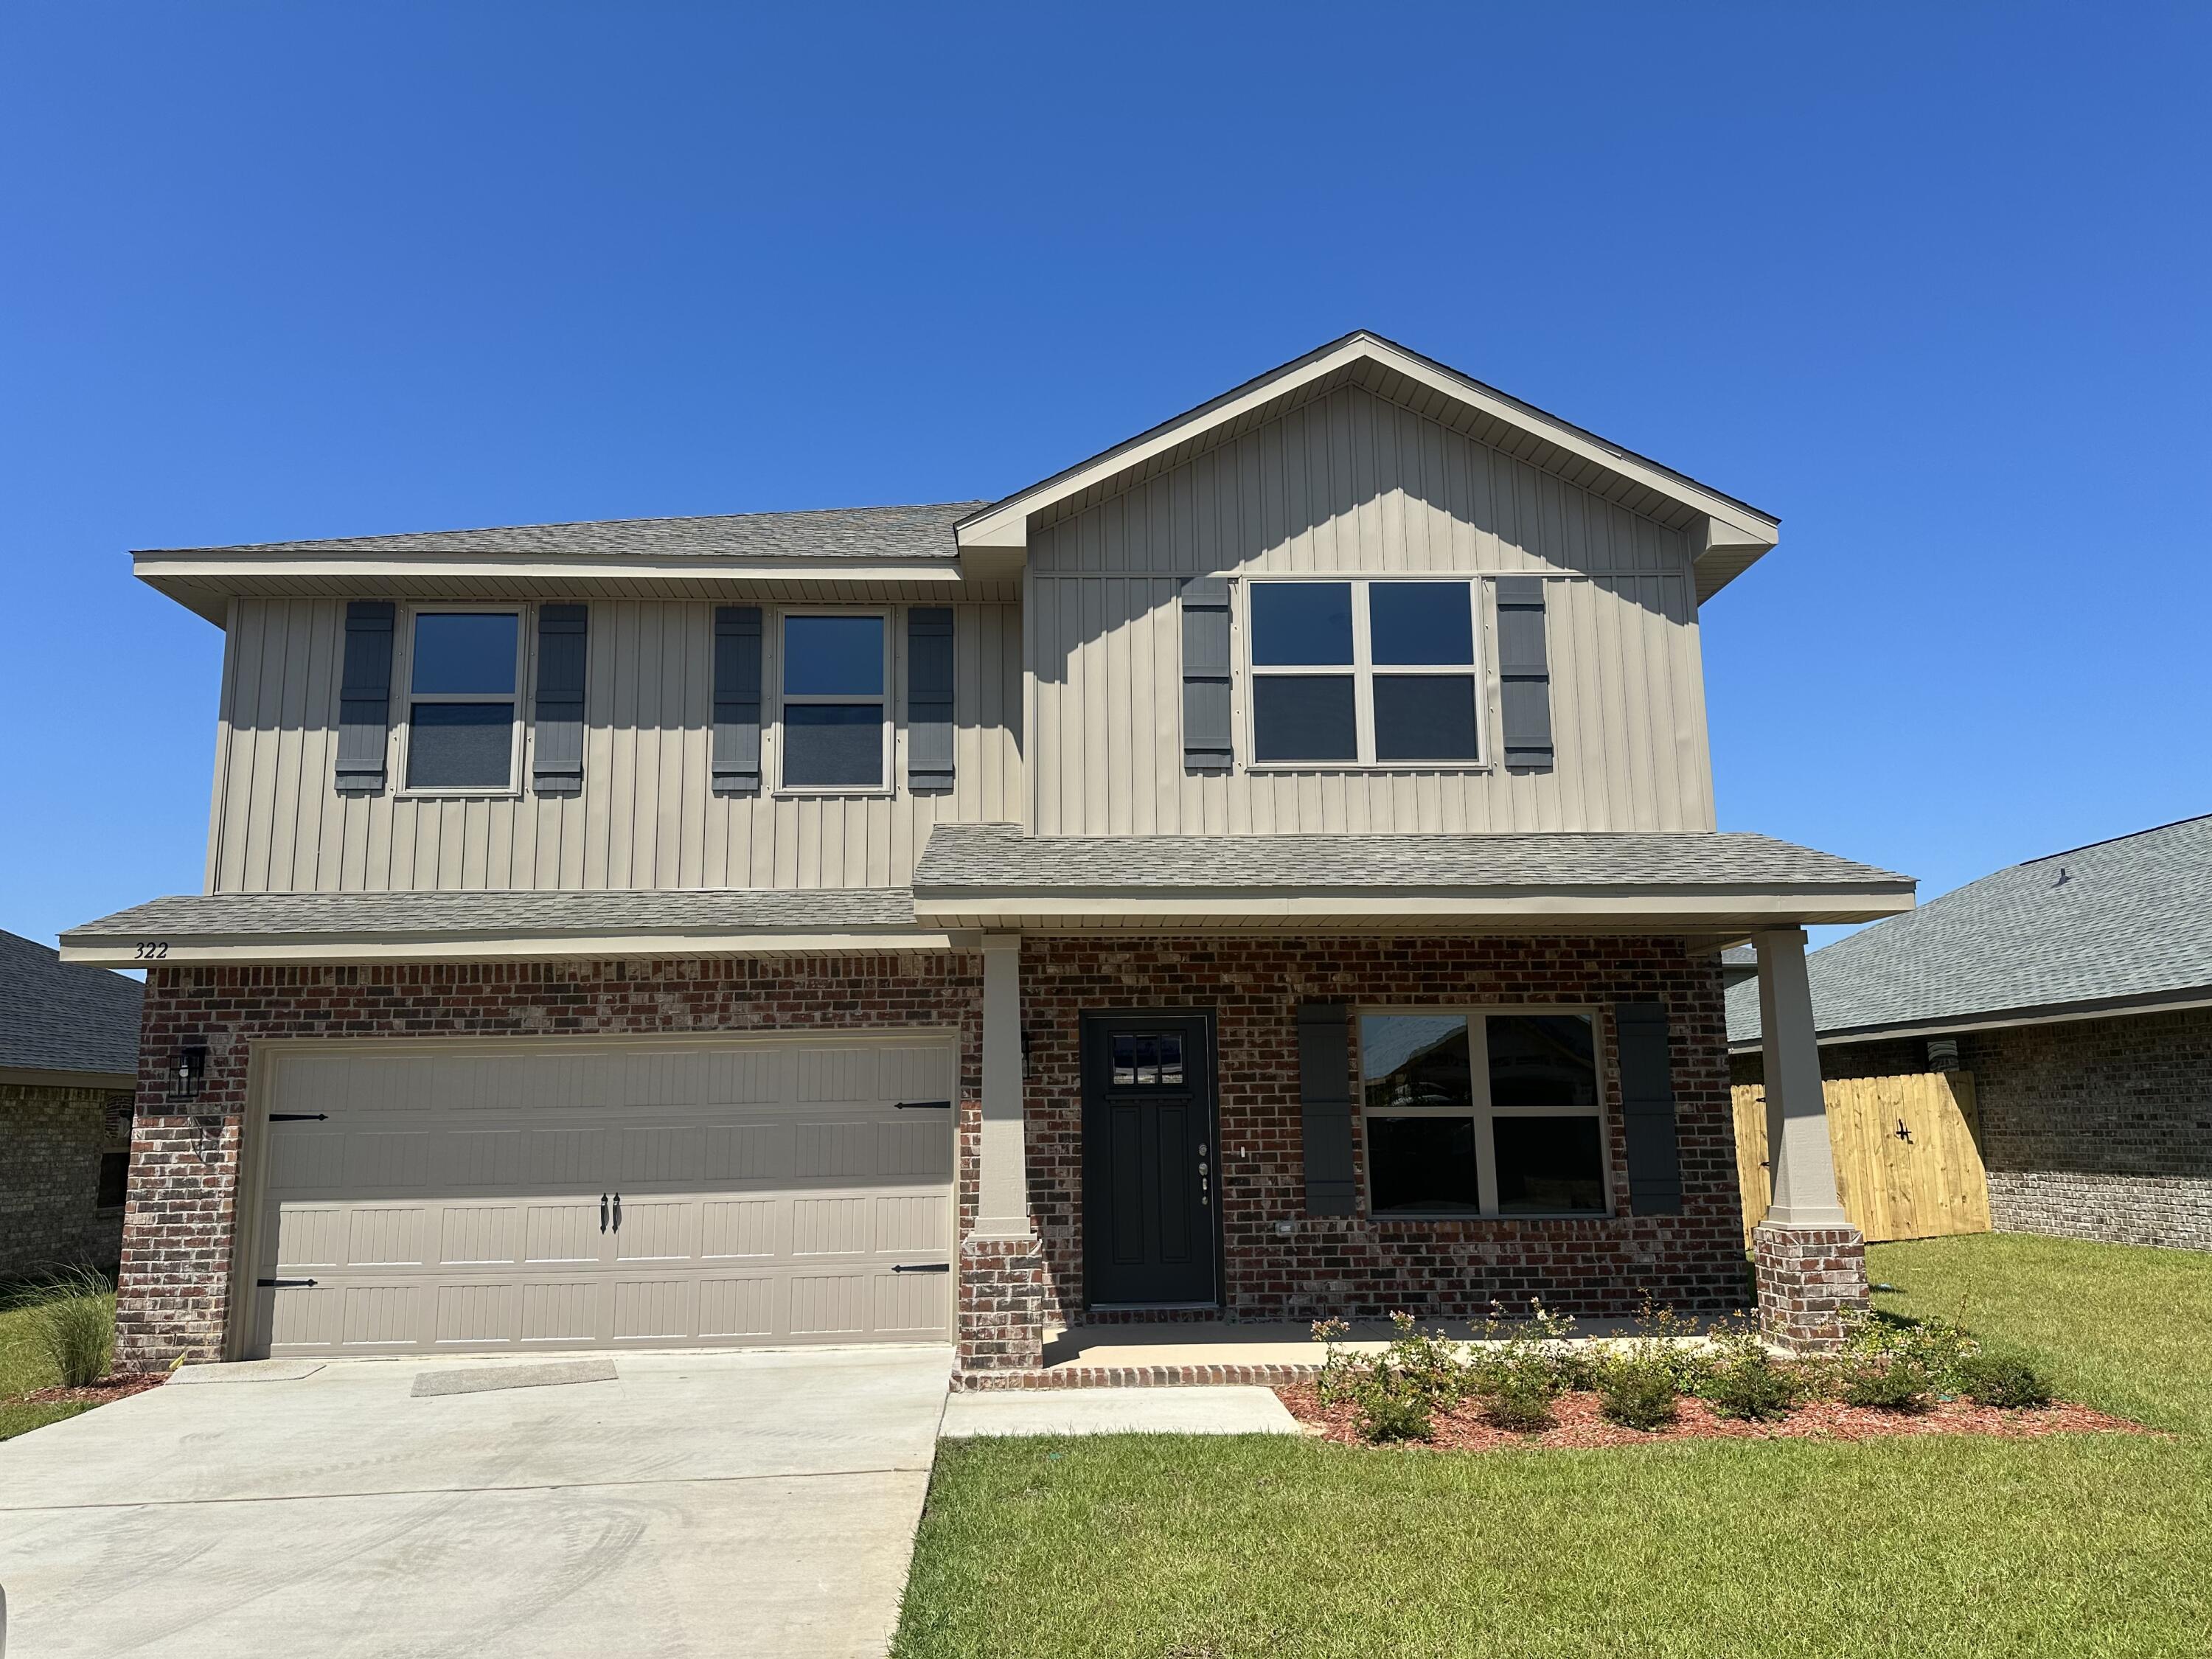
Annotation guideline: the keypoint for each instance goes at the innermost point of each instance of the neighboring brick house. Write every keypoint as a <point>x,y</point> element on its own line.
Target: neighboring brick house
<point>69,1064</point>
<point>1267,870</point>
<point>2077,989</point>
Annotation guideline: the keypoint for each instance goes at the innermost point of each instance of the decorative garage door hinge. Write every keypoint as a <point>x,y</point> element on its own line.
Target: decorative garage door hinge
<point>921,1267</point>
<point>299,1117</point>
<point>924,1106</point>
<point>284,1283</point>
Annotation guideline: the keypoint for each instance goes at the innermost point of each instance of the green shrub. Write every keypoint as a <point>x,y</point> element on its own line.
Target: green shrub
<point>1520,1401</point>
<point>1387,1409</point>
<point>1747,1382</point>
<point>1396,1393</point>
<point>1893,1383</point>
<point>1638,1390</point>
<point>2007,1380</point>
<point>1938,1347</point>
<point>73,1323</point>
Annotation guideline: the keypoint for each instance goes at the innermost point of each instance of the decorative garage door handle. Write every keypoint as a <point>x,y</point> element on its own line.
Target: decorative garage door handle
<point>603,1213</point>
<point>617,1211</point>
<point>284,1283</point>
<point>924,1106</point>
<point>921,1267</point>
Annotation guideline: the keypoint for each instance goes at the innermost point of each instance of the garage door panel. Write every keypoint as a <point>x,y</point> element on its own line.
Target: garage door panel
<point>310,1236</point>
<point>658,1229</point>
<point>382,1235</point>
<point>450,1201</point>
<point>479,1235</point>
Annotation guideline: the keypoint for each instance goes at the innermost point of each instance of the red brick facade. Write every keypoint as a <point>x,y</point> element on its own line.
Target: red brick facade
<point>1810,1279</point>
<point>1352,1265</point>
<point>182,1218</point>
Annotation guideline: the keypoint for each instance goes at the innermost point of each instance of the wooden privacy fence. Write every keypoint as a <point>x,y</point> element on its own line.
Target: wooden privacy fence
<point>1908,1154</point>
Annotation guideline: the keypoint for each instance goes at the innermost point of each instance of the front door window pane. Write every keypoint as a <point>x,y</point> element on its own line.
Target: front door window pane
<point>1302,624</point>
<point>1541,1060</point>
<point>833,656</point>
<point>1147,1059</point>
<point>1422,1165</point>
<point>1413,624</point>
<point>1425,717</point>
<point>464,653</point>
<point>1415,1060</point>
<point>1548,1165</point>
<point>827,746</point>
<point>460,746</point>
<point>1304,717</point>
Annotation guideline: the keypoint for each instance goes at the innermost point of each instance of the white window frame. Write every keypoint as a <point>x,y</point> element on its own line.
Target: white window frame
<point>1485,1115</point>
<point>774,668</point>
<point>404,691</point>
<point>1362,669</point>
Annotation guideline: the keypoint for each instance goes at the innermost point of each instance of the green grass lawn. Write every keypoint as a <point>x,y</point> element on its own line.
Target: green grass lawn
<point>2075,1544</point>
<point>23,1368</point>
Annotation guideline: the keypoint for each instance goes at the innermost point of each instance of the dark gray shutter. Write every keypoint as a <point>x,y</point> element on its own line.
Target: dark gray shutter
<point>737,699</point>
<point>365,698</point>
<point>1647,1108</point>
<point>556,765</point>
<point>1206,742</point>
<point>929,699</point>
<point>1325,1106</point>
<point>1524,673</point>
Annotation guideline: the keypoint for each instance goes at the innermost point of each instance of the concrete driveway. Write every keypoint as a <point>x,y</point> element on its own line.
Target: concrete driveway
<point>695,1503</point>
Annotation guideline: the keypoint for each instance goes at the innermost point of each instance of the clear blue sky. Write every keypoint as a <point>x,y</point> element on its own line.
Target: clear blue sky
<point>1928,281</point>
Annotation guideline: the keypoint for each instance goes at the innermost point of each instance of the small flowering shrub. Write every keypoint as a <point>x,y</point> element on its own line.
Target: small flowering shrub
<point>1395,1394</point>
<point>1743,1379</point>
<point>2006,1380</point>
<point>1935,1348</point>
<point>1890,1383</point>
<point>1637,1390</point>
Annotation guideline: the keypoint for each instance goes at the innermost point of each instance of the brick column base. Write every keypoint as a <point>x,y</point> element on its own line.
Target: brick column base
<point>1001,1304</point>
<point>1808,1278</point>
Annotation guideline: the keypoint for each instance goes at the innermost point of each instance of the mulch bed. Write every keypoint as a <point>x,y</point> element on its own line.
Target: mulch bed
<point>99,1393</point>
<point>1582,1425</point>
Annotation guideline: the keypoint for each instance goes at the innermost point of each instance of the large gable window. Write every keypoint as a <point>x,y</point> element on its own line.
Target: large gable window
<point>462,733</point>
<point>1482,1113</point>
<point>836,724</point>
<point>1364,672</point>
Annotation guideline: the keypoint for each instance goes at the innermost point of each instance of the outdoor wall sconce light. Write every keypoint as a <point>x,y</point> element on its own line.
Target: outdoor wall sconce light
<point>188,1072</point>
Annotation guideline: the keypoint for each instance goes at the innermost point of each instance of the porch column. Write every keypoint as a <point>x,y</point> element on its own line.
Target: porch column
<point>1811,1260</point>
<point>1001,1291</point>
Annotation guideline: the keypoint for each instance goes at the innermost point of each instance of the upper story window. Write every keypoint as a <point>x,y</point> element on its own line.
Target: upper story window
<point>836,727</point>
<point>1364,672</point>
<point>462,728</point>
<point>1493,1112</point>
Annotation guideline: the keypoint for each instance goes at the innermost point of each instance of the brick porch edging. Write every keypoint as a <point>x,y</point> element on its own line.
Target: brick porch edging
<point>1137,1376</point>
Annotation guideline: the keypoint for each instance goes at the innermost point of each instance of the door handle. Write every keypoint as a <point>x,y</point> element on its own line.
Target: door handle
<point>603,1213</point>
<point>617,1211</point>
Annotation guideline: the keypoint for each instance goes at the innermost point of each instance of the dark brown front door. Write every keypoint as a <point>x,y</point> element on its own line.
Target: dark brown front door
<point>1149,1160</point>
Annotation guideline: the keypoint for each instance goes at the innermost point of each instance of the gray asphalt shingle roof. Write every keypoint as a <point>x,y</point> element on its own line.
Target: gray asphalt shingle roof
<point>852,532</point>
<point>991,856</point>
<point>58,1016</point>
<point>737,910</point>
<point>2128,917</point>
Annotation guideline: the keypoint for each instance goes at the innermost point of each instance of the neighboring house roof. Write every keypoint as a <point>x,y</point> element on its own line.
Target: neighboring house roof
<point>2096,929</point>
<point>849,532</point>
<point>450,925</point>
<point>57,1016</point>
<point>1730,533</point>
<point>978,875</point>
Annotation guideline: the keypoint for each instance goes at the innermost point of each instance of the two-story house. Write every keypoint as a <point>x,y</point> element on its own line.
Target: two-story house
<point>1268,870</point>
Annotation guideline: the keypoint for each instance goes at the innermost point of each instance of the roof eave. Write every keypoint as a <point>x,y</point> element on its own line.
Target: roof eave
<point>347,946</point>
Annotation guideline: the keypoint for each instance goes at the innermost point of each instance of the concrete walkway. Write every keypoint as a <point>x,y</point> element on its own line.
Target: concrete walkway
<point>1116,1411</point>
<point>695,1503</point>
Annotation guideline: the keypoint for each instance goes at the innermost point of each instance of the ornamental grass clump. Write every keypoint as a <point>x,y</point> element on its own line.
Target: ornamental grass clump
<point>73,1323</point>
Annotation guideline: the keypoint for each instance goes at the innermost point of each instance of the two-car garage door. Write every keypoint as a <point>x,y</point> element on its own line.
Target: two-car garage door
<point>474,1196</point>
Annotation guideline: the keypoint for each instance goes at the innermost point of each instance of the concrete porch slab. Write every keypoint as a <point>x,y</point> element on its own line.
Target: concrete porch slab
<point>1116,1411</point>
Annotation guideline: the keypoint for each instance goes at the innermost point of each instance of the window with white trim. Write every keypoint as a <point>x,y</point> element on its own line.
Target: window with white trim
<point>464,670</point>
<point>1482,1112</point>
<point>1364,672</point>
<point>836,727</point>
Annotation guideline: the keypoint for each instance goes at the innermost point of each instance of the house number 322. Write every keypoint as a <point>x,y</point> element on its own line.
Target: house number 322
<point>153,950</point>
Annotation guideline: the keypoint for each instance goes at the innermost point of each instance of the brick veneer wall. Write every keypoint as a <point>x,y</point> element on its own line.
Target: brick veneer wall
<point>2098,1129</point>
<point>1356,1266</point>
<point>182,1218</point>
<point>51,1142</point>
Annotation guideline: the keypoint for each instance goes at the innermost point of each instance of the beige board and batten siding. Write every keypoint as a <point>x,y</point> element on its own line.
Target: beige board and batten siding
<point>647,817</point>
<point>1352,485</point>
